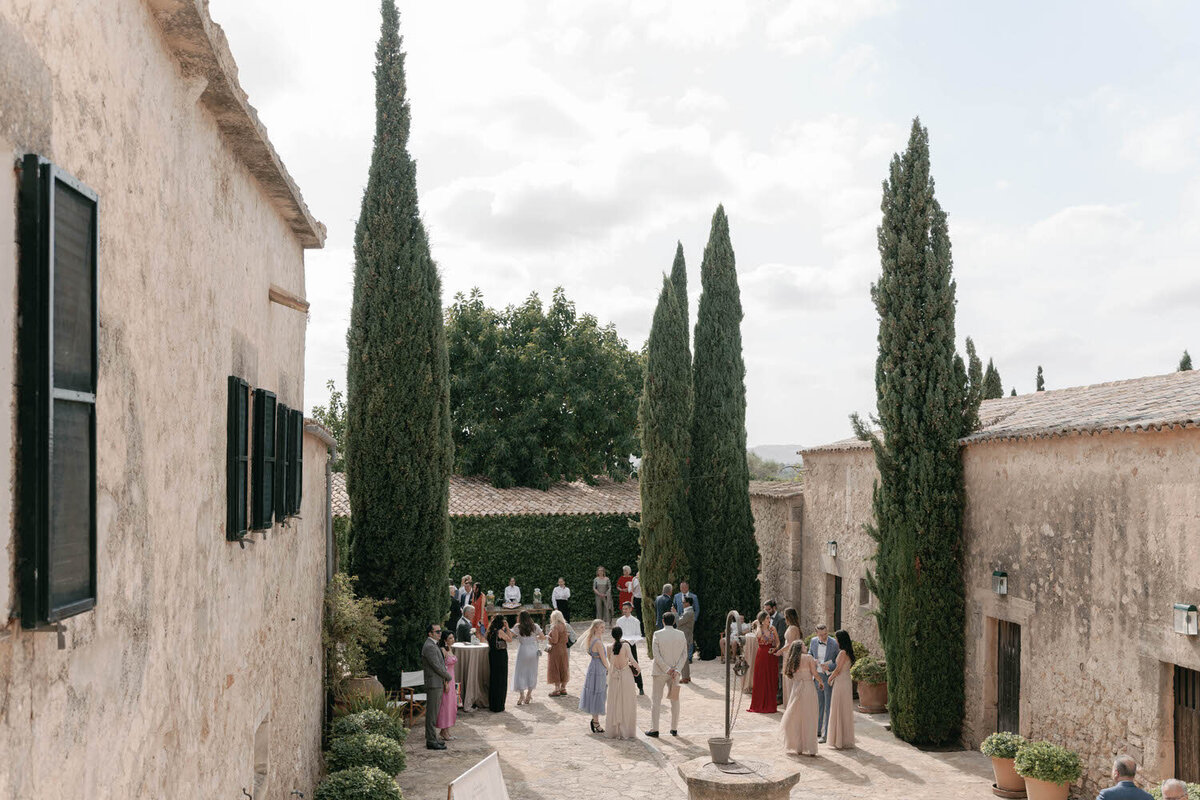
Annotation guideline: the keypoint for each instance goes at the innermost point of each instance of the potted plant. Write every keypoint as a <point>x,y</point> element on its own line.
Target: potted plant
<point>351,629</point>
<point>1048,770</point>
<point>871,676</point>
<point>1002,748</point>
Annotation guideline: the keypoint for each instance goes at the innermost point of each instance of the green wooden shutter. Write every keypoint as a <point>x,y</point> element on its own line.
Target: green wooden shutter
<point>295,461</point>
<point>282,421</point>
<point>262,461</point>
<point>237,457</point>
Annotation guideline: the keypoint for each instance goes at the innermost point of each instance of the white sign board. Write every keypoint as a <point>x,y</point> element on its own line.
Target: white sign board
<point>481,782</point>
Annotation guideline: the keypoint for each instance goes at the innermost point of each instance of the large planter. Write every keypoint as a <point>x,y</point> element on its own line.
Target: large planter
<point>872,698</point>
<point>1044,790</point>
<point>366,686</point>
<point>1008,782</point>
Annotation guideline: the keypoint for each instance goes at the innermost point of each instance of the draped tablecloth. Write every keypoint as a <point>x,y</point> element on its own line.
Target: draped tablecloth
<point>751,650</point>
<point>472,672</point>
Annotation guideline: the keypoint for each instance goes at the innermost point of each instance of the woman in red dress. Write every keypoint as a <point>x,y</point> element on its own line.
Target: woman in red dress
<point>766,668</point>
<point>624,588</point>
<point>480,621</point>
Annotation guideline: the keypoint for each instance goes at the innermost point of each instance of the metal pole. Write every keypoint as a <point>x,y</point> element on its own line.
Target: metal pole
<point>728,667</point>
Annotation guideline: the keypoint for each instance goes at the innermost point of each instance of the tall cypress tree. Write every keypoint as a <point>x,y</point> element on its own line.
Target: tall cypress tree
<point>992,386</point>
<point>1041,383</point>
<point>665,418</point>
<point>726,572</point>
<point>1014,392</point>
<point>398,420</point>
<point>1185,362</point>
<point>924,402</point>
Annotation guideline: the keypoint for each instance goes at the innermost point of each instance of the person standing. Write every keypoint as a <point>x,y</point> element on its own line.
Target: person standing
<point>799,723</point>
<point>670,653</point>
<point>526,672</point>
<point>480,620</point>
<point>687,624</point>
<point>465,590</point>
<point>602,588</point>
<point>559,599</point>
<point>824,651</point>
<point>624,595</point>
<point>512,594</point>
<point>662,604</point>
<point>766,669</point>
<point>558,665</point>
<point>462,631</point>
<point>677,603</point>
<point>841,705</point>
<point>455,609</point>
<point>621,722</point>
<point>636,589</point>
<point>631,628</point>
<point>436,678</point>
<point>595,684</point>
<point>448,712</point>
<point>780,625</point>
<point>1123,772</point>
<point>790,634</point>
<point>498,638</point>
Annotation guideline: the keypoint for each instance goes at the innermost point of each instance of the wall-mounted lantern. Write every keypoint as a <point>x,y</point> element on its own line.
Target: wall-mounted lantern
<point>831,548</point>
<point>1000,582</point>
<point>1185,619</point>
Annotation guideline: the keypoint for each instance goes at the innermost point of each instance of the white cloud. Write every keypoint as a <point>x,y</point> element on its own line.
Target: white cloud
<point>812,26</point>
<point>1164,145</point>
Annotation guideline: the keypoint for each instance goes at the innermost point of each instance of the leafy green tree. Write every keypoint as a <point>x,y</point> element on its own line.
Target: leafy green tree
<point>540,395</point>
<point>1041,383</point>
<point>1185,363</point>
<point>333,416</point>
<point>763,469</point>
<point>726,567</point>
<point>926,400</point>
<point>665,418</point>
<point>992,387</point>
<point>399,449</point>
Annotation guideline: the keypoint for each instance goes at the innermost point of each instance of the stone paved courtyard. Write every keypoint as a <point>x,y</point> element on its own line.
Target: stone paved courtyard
<point>547,752</point>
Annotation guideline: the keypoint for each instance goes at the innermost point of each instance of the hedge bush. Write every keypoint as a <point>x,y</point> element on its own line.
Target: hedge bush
<point>537,550</point>
<point>1048,762</point>
<point>365,750</point>
<point>869,670</point>
<point>372,720</point>
<point>358,783</point>
<point>1193,791</point>
<point>1002,744</point>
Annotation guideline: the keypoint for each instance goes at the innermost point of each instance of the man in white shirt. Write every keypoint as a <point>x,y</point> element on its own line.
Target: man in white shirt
<point>636,588</point>
<point>824,650</point>
<point>670,651</point>
<point>631,634</point>
<point>559,598</point>
<point>512,593</point>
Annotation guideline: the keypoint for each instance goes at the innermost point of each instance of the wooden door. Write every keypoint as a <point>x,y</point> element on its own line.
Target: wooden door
<point>1008,677</point>
<point>1187,724</point>
<point>837,602</point>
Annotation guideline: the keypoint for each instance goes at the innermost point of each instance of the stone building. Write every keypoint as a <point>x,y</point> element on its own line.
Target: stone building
<point>1082,533</point>
<point>777,507</point>
<point>162,572</point>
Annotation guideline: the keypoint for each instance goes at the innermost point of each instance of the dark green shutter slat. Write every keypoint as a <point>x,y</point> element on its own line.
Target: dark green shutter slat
<point>262,461</point>
<point>282,420</point>
<point>237,457</point>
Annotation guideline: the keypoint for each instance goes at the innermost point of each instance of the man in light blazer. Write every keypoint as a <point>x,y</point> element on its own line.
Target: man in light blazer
<point>824,650</point>
<point>687,624</point>
<point>436,676</point>
<point>670,654</point>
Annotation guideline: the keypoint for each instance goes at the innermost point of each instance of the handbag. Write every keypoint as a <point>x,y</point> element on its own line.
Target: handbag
<point>571,638</point>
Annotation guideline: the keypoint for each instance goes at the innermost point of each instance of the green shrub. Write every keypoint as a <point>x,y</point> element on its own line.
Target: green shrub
<point>350,630</point>
<point>1002,744</point>
<point>869,670</point>
<point>358,783</point>
<point>861,651</point>
<point>365,750</point>
<point>1048,762</point>
<point>371,720</point>
<point>1193,791</point>
<point>568,546</point>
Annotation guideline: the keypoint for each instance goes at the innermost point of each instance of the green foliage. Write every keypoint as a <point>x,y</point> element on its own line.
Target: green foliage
<point>342,542</point>
<point>992,387</point>
<point>370,701</point>
<point>537,551</point>
<point>540,396</point>
<point>764,469</point>
<point>371,720</point>
<point>350,631</point>
<point>1185,362</point>
<point>1014,392</point>
<point>358,783</point>
<point>1193,791</point>
<point>869,670</point>
<point>333,417</point>
<point>665,419</point>
<point>365,750</point>
<point>1002,744</point>
<point>861,651</point>
<point>1048,762</point>
<point>926,399</point>
<point>398,445</point>
<point>725,570</point>
<point>1041,383</point>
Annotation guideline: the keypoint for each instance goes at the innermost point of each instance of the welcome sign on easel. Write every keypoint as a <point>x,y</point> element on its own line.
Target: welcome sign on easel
<point>481,782</point>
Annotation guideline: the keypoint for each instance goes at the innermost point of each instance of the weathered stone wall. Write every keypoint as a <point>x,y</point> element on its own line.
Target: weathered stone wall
<point>195,643</point>
<point>777,522</point>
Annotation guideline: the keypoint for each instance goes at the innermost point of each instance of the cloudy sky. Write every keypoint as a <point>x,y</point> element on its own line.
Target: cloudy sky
<point>572,143</point>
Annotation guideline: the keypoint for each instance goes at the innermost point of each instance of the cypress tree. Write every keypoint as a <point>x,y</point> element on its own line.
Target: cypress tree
<point>726,572</point>
<point>665,418</point>
<point>924,403</point>
<point>1185,363</point>
<point>398,420</point>
<point>992,386</point>
<point>1014,392</point>
<point>1041,384</point>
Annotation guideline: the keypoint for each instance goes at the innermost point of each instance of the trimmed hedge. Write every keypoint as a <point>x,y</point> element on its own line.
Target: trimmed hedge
<point>372,720</point>
<point>365,750</point>
<point>537,550</point>
<point>1002,744</point>
<point>358,783</point>
<point>869,670</point>
<point>1048,762</point>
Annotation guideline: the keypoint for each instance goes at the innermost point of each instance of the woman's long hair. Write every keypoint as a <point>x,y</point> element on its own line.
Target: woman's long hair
<point>557,617</point>
<point>594,630</point>
<point>764,623</point>
<point>795,650</point>
<point>494,629</point>
<point>446,634</point>
<point>845,645</point>
<point>792,617</point>
<point>525,624</point>
<point>617,634</point>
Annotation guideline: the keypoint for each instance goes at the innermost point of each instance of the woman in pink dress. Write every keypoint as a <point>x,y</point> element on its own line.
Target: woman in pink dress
<point>766,668</point>
<point>799,723</point>
<point>448,711</point>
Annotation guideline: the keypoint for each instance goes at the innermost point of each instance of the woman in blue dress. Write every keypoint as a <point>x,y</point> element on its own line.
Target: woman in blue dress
<point>595,685</point>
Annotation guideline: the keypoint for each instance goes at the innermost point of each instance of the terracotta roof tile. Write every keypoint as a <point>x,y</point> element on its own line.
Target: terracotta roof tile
<point>776,488</point>
<point>338,497</point>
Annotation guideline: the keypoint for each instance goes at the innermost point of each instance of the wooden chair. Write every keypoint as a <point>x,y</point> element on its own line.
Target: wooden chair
<point>415,702</point>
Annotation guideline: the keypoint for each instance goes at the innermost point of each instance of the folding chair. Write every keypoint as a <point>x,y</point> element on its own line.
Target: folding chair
<point>410,681</point>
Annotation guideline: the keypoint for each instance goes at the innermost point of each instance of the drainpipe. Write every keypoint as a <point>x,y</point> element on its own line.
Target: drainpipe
<point>322,433</point>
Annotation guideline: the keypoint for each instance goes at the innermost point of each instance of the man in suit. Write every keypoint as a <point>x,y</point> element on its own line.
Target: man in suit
<point>662,604</point>
<point>687,624</point>
<point>1173,789</point>
<point>824,650</point>
<point>670,654</point>
<point>464,592</point>
<point>462,631</point>
<point>455,610</point>
<point>685,591</point>
<point>779,623</point>
<point>1123,772</point>
<point>436,676</point>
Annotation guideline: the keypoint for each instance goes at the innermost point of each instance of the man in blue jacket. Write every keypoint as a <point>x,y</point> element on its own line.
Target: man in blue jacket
<point>1124,770</point>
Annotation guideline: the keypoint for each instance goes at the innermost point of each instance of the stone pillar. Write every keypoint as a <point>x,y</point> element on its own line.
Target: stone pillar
<point>757,780</point>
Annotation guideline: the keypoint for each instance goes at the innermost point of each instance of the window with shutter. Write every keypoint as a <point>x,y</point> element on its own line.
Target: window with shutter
<point>237,457</point>
<point>295,461</point>
<point>262,461</point>
<point>282,423</point>
<point>56,414</point>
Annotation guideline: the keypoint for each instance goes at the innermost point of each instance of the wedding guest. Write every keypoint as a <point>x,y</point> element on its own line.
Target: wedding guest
<point>602,588</point>
<point>436,678</point>
<point>799,723</point>
<point>526,671</point>
<point>824,651</point>
<point>731,640</point>
<point>1174,789</point>
<point>595,684</point>
<point>687,624</point>
<point>1123,772</point>
<point>841,704</point>
<point>558,665</point>
<point>662,604</point>
<point>677,603</point>
<point>670,653</point>
<point>559,598</point>
<point>621,722</point>
<point>635,589</point>
<point>624,595</point>
<point>631,627</point>
<point>480,620</point>
<point>791,634</point>
<point>455,609</point>
<point>766,670</point>
<point>448,712</point>
<point>498,638</point>
<point>462,631</point>
<point>780,625</point>
<point>465,590</point>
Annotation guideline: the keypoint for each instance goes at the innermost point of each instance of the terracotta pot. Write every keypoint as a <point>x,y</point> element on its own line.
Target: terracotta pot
<point>872,698</point>
<point>1007,779</point>
<point>718,748</point>
<point>366,686</point>
<point>1043,790</point>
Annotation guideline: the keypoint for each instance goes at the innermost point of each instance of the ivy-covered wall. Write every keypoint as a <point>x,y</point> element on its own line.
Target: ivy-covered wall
<point>537,551</point>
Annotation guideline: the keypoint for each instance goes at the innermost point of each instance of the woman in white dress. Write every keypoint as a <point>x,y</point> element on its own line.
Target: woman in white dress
<point>526,672</point>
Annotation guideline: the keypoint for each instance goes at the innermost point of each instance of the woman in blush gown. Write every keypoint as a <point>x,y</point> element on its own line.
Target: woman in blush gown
<point>790,635</point>
<point>595,685</point>
<point>448,710</point>
<point>799,723</point>
<point>766,668</point>
<point>841,705</point>
<point>621,722</point>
